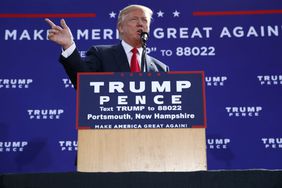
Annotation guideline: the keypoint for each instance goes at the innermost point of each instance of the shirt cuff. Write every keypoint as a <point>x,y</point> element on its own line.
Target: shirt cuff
<point>66,53</point>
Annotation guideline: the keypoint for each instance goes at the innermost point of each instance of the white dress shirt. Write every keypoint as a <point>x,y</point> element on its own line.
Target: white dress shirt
<point>127,48</point>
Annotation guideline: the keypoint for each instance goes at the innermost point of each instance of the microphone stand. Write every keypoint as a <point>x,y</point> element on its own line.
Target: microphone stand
<point>144,38</point>
<point>144,67</point>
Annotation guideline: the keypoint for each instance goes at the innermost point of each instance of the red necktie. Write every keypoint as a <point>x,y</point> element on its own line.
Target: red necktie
<point>134,65</point>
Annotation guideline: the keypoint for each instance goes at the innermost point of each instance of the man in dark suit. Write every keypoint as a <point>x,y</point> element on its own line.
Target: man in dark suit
<point>132,21</point>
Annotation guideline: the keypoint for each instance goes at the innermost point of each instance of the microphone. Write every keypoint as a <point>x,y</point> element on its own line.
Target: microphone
<point>144,38</point>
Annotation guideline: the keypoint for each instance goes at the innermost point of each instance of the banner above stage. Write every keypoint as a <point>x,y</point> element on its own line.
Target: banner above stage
<point>141,100</point>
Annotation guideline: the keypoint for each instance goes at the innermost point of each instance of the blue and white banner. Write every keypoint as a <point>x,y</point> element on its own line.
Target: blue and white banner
<point>237,44</point>
<point>141,100</point>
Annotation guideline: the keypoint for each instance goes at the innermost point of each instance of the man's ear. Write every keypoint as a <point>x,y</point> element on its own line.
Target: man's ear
<point>120,28</point>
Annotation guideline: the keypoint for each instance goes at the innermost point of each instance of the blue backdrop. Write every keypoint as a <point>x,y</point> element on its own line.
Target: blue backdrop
<point>237,43</point>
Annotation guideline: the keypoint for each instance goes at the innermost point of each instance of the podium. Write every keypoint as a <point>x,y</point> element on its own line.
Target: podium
<point>138,149</point>
<point>160,150</point>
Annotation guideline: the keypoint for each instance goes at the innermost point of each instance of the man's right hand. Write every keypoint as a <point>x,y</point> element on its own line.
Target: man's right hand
<point>60,34</point>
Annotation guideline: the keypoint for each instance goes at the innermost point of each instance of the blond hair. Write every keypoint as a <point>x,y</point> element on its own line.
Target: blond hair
<point>122,13</point>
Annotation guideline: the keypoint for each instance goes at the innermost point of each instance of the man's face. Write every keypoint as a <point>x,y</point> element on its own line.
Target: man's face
<point>132,25</point>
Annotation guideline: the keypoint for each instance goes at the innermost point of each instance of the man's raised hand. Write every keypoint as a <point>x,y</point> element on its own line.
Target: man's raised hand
<point>60,34</point>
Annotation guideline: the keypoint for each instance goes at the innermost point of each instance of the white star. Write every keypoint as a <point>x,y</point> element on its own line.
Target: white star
<point>160,13</point>
<point>112,14</point>
<point>176,13</point>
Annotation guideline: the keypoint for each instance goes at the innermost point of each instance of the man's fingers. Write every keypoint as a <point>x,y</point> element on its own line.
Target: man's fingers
<point>50,22</point>
<point>63,24</point>
<point>52,25</point>
<point>58,28</point>
<point>50,36</point>
<point>53,31</point>
<point>59,33</point>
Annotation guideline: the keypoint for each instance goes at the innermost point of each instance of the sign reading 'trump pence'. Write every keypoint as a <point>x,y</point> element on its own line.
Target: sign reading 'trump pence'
<point>141,100</point>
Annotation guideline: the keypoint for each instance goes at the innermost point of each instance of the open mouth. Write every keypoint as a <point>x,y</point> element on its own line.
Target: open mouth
<point>139,31</point>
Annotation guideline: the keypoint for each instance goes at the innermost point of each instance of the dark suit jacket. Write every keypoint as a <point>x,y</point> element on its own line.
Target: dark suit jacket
<point>106,58</point>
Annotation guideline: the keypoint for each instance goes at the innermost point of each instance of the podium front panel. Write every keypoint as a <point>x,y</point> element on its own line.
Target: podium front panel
<point>141,122</point>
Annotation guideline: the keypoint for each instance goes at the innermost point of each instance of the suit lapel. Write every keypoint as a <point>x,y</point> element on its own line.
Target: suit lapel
<point>121,59</point>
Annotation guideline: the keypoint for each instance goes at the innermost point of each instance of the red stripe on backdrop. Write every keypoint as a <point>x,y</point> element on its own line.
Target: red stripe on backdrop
<point>53,15</point>
<point>243,12</point>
